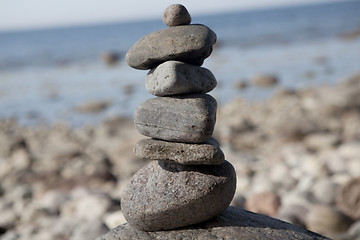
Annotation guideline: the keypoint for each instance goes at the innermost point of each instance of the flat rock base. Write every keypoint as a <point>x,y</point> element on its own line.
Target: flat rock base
<point>234,223</point>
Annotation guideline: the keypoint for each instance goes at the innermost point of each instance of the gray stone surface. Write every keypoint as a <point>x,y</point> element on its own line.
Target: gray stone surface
<point>166,195</point>
<point>175,15</point>
<point>189,118</point>
<point>189,154</point>
<point>234,223</point>
<point>175,78</point>
<point>188,43</point>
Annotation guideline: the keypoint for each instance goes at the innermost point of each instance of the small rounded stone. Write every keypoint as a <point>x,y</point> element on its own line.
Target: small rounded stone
<point>176,15</point>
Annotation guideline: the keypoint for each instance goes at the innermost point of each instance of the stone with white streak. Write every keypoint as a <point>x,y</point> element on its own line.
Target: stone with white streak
<point>189,118</point>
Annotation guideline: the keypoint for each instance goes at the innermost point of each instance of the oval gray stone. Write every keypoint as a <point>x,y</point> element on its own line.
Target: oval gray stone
<point>175,78</point>
<point>188,43</point>
<point>234,223</point>
<point>166,195</point>
<point>175,15</point>
<point>189,118</point>
<point>207,153</point>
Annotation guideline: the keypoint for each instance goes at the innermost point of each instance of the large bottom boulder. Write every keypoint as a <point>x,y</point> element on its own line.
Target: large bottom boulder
<point>234,223</point>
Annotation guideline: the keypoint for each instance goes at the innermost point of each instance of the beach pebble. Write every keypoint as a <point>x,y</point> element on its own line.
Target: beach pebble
<point>294,214</point>
<point>52,201</point>
<point>110,58</point>
<point>240,85</point>
<point>264,80</point>
<point>87,205</point>
<point>354,166</point>
<point>320,141</point>
<point>348,199</point>
<point>21,159</point>
<point>278,172</point>
<point>93,106</point>
<point>8,219</point>
<point>189,43</point>
<point>324,219</point>
<point>184,153</point>
<point>62,228</point>
<point>354,230</point>
<point>114,219</point>
<point>260,183</point>
<point>89,230</point>
<point>10,235</point>
<point>175,15</point>
<point>238,200</point>
<point>296,197</point>
<point>175,78</point>
<point>266,203</point>
<point>189,119</point>
<point>325,190</point>
<point>166,195</point>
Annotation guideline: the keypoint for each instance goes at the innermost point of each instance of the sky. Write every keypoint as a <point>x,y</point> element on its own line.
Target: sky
<point>31,14</point>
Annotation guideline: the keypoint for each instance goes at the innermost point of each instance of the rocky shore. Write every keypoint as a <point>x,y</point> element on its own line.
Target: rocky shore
<point>297,158</point>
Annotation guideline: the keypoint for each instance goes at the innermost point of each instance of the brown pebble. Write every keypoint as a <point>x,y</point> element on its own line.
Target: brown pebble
<point>176,15</point>
<point>265,203</point>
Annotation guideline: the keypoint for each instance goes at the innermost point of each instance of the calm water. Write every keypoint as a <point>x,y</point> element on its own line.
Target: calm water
<point>44,74</point>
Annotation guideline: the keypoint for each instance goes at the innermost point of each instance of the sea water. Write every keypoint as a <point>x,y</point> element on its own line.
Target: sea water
<point>45,74</point>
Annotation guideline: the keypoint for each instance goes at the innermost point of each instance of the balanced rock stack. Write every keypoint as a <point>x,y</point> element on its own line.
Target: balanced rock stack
<point>190,181</point>
<point>188,187</point>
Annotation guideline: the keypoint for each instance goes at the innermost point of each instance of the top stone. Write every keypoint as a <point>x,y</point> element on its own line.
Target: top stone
<point>176,15</point>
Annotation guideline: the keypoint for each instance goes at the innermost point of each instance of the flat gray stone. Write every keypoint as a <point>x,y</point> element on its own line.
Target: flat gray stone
<point>175,78</point>
<point>166,195</point>
<point>208,153</point>
<point>175,15</point>
<point>187,43</point>
<point>189,118</point>
<point>234,223</point>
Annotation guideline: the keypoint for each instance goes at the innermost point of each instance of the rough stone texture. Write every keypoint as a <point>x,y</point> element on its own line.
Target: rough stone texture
<point>234,223</point>
<point>189,154</point>
<point>166,195</point>
<point>175,15</point>
<point>189,43</point>
<point>348,199</point>
<point>189,119</point>
<point>175,78</point>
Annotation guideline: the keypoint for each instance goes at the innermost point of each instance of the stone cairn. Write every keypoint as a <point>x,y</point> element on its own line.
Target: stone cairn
<point>190,181</point>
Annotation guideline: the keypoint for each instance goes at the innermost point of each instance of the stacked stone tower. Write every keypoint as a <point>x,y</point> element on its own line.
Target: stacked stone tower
<point>189,180</point>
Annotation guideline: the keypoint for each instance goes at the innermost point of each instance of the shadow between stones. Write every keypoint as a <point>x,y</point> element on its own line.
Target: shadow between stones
<point>222,170</point>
